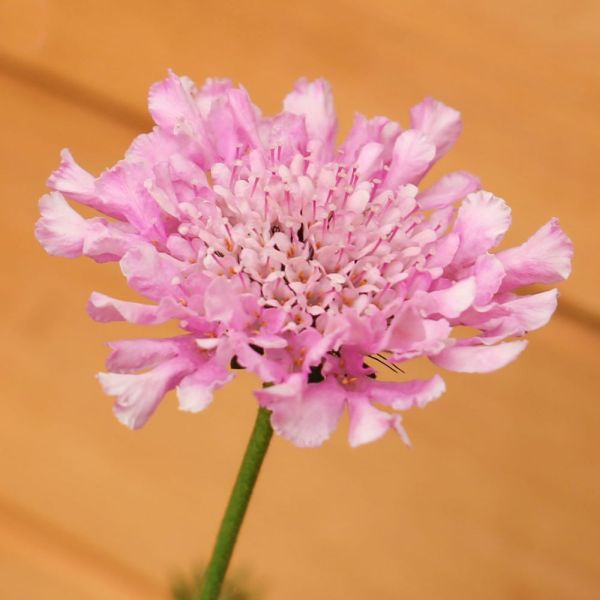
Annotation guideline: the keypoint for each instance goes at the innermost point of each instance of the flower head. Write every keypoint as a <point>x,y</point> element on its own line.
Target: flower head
<point>282,254</point>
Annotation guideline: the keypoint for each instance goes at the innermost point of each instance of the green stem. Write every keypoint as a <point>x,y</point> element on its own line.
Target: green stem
<point>238,503</point>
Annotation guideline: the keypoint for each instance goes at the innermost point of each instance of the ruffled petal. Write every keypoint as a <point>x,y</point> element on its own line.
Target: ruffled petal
<point>439,122</point>
<point>478,359</point>
<point>489,273</point>
<point>128,356</point>
<point>150,272</point>
<point>138,396</point>
<point>482,221</point>
<point>171,104</point>
<point>514,317</point>
<point>544,258</point>
<point>403,395</point>
<point>195,391</point>
<point>449,302</point>
<point>71,179</point>
<point>412,156</point>
<point>105,309</point>
<point>60,229</point>
<point>305,414</point>
<point>314,101</point>
<point>448,189</point>
<point>367,423</point>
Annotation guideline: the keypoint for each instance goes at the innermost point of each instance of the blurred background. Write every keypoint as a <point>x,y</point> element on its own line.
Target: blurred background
<point>500,496</point>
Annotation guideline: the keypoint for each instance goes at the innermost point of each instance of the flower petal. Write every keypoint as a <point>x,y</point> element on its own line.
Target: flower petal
<point>449,302</point>
<point>544,258</point>
<point>439,122</point>
<point>195,391</point>
<point>412,155</point>
<point>482,221</point>
<point>478,359</point>
<point>367,423</point>
<point>150,272</point>
<point>402,395</point>
<point>133,355</point>
<point>138,396</point>
<point>71,179</point>
<point>448,189</point>
<point>314,101</point>
<point>60,229</point>
<point>105,309</point>
<point>305,414</point>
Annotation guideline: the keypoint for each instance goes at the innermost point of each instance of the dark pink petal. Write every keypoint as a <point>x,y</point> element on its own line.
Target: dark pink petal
<point>448,189</point>
<point>482,221</point>
<point>544,258</point>
<point>439,122</point>
<point>305,414</point>
<point>478,359</point>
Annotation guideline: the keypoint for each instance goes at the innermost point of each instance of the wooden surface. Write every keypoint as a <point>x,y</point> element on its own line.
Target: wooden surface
<point>499,497</point>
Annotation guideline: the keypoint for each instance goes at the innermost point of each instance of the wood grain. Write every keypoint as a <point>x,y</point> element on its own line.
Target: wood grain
<point>498,499</point>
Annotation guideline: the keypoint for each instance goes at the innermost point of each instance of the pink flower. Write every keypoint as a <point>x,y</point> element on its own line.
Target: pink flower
<point>282,254</point>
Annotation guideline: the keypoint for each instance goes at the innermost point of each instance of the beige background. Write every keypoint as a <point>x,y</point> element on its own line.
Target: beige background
<point>499,497</point>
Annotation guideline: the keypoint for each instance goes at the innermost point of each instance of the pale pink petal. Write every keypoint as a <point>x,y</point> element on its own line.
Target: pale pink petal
<point>448,189</point>
<point>305,414</point>
<point>138,396</point>
<point>406,394</point>
<point>449,302</point>
<point>544,258</point>
<point>60,229</point>
<point>478,359</point>
<point>412,156</point>
<point>379,129</point>
<point>195,391</point>
<point>133,355</point>
<point>285,131</point>
<point>514,317</point>
<point>221,301</point>
<point>105,309</point>
<point>71,179</point>
<point>489,274</point>
<point>246,116</point>
<point>314,101</point>
<point>105,241</point>
<point>439,122</point>
<point>171,104</point>
<point>150,272</point>
<point>482,221</point>
<point>367,423</point>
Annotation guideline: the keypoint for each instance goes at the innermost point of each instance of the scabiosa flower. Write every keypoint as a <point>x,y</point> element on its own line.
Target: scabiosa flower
<point>282,254</point>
